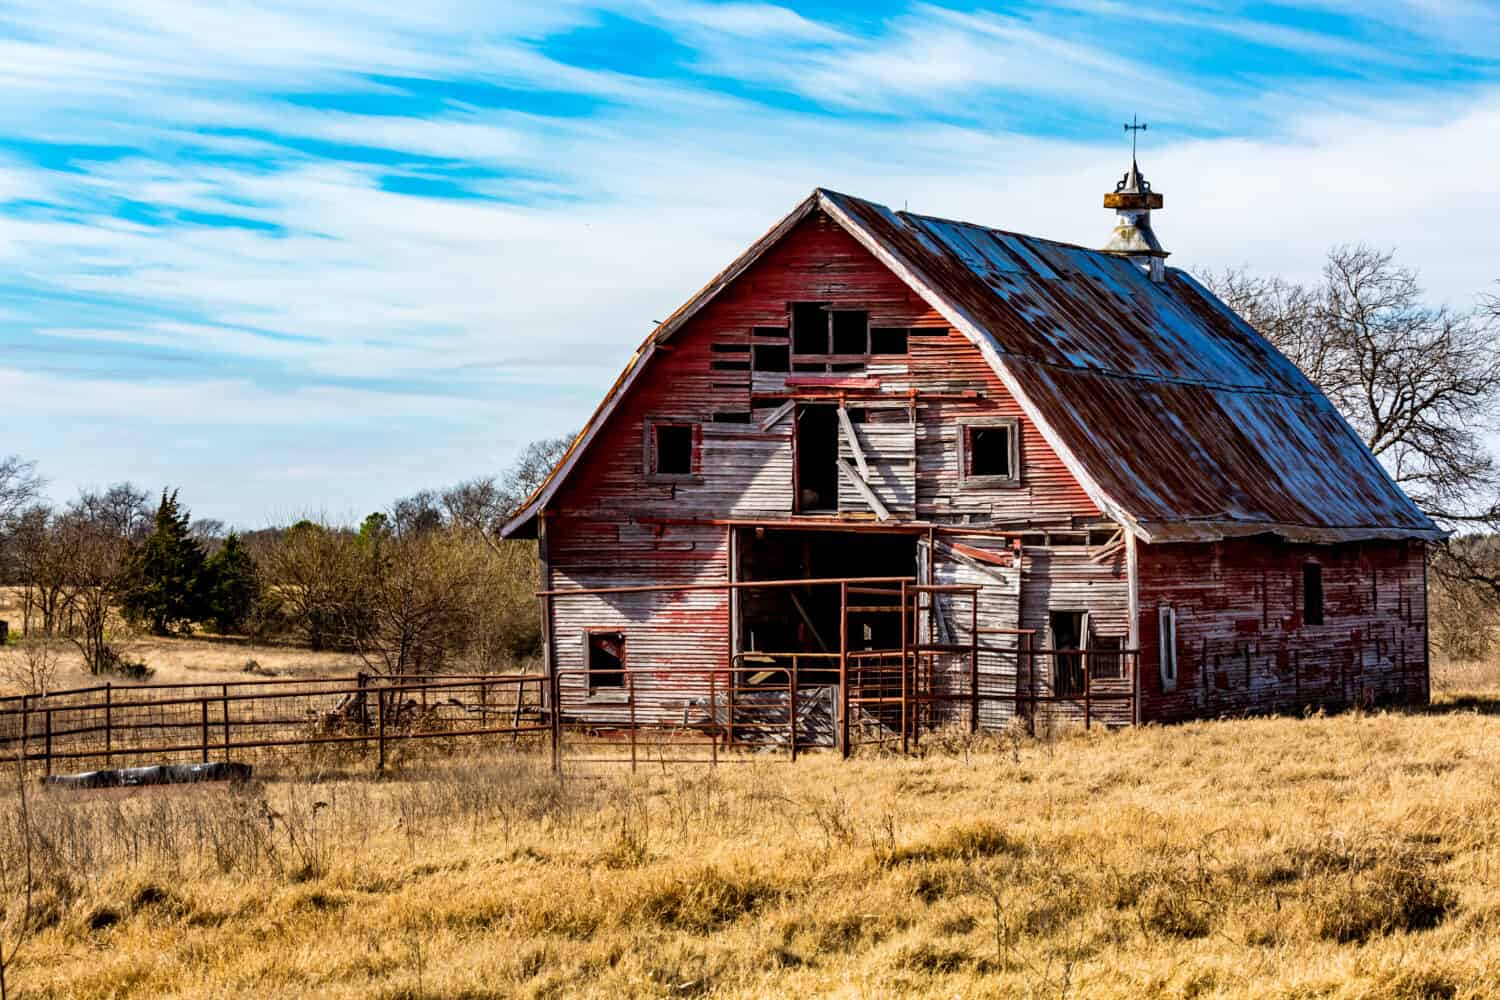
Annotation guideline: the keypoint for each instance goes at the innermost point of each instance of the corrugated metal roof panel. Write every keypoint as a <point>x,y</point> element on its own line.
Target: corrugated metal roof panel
<point>1185,418</point>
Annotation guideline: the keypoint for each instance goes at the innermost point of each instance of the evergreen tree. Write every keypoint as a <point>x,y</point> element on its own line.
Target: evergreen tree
<point>231,586</point>
<point>162,577</point>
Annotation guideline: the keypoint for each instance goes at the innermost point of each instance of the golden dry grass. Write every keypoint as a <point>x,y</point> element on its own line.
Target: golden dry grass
<point>1348,856</point>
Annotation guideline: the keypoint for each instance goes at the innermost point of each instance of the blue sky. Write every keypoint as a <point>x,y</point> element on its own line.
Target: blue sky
<point>310,257</point>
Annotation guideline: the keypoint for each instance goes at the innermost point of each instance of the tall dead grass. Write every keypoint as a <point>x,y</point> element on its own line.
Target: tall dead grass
<point>1349,856</point>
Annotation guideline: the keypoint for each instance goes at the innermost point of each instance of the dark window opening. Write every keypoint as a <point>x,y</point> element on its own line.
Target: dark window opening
<point>729,366</point>
<point>807,366</point>
<point>672,449</point>
<point>771,358</point>
<point>1068,633</point>
<point>809,328</point>
<point>851,332</point>
<point>928,331</point>
<point>732,417</point>
<point>729,348</point>
<point>885,340</point>
<point>817,471</point>
<point>1312,594</point>
<point>606,661</point>
<point>989,451</point>
<point>770,331</point>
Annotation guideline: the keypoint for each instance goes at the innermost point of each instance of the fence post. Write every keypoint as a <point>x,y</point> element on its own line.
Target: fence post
<point>1088,705</point>
<point>108,724</point>
<point>363,680</point>
<point>380,714</point>
<point>791,704</point>
<point>974,661</point>
<point>204,706</point>
<point>25,730</point>
<point>224,696</point>
<point>554,698</point>
<point>905,730</point>
<point>630,693</point>
<point>48,744</point>
<point>713,713</point>
<point>843,704</point>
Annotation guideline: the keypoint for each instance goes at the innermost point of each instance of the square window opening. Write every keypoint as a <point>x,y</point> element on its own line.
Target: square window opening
<point>851,332</point>
<point>606,661</point>
<point>885,340</point>
<point>771,358</point>
<point>989,451</point>
<point>809,328</point>
<point>1312,594</point>
<point>672,449</point>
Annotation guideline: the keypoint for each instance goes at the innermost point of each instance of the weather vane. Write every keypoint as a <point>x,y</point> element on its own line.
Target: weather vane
<point>1135,127</point>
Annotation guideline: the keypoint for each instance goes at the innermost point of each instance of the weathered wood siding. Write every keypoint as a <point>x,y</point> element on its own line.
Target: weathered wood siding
<point>1071,579</point>
<point>747,472</point>
<point>666,634</point>
<point>1242,645</point>
<point>602,526</point>
<point>890,450</point>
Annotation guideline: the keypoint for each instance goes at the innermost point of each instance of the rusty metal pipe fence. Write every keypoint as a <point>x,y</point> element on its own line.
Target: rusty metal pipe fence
<point>776,703</point>
<point>365,716</point>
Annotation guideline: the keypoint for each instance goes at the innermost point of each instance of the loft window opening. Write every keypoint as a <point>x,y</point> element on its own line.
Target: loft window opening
<point>888,340</point>
<point>809,328</point>
<point>990,452</point>
<point>606,662</point>
<point>771,358</point>
<point>1312,594</point>
<point>671,449</point>
<point>851,331</point>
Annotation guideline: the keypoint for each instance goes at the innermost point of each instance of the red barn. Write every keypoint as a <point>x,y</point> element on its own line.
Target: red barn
<point>1039,478</point>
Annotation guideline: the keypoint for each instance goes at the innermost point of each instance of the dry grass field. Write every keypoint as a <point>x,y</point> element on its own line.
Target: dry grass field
<point>1347,856</point>
<point>180,660</point>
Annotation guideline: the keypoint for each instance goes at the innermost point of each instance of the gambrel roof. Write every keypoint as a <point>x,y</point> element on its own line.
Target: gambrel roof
<point>1178,419</point>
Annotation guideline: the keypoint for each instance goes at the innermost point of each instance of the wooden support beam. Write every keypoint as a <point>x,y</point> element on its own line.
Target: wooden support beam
<point>853,439</point>
<point>864,490</point>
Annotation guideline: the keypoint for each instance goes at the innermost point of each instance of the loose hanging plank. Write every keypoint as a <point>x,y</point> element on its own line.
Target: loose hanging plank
<point>864,490</point>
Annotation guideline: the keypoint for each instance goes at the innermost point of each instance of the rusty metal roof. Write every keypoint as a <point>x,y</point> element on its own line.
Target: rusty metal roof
<point>1176,416</point>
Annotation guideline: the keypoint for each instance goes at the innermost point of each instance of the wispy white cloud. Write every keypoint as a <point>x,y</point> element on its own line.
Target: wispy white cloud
<point>239,273</point>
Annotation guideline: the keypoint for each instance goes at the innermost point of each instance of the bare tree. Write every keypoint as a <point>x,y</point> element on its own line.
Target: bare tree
<point>423,591</point>
<point>484,504</point>
<point>94,536</point>
<point>19,487</point>
<point>1419,383</point>
<point>33,666</point>
<point>314,581</point>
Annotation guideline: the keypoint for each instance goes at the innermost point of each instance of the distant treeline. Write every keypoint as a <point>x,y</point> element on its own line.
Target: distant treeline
<point>425,585</point>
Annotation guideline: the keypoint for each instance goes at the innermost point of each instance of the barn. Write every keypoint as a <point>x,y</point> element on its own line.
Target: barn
<point>911,472</point>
